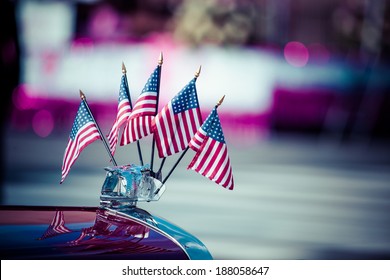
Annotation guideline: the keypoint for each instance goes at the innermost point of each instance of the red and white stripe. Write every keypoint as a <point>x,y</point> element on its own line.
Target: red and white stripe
<point>145,105</point>
<point>85,136</point>
<point>140,120</point>
<point>212,161</point>
<point>198,139</point>
<point>173,132</point>
<point>58,223</point>
<point>124,111</point>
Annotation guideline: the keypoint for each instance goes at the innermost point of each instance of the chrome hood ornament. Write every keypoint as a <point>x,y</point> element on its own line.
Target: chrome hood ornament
<point>125,185</point>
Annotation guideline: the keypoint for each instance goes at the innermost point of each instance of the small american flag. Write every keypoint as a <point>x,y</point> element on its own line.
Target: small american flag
<point>211,159</point>
<point>177,122</point>
<point>144,110</point>
<point>84,132</point>
<point>56,227</point>
<point>123,113</point>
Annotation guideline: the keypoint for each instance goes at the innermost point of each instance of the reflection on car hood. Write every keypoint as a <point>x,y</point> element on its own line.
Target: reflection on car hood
<point>35,232</point>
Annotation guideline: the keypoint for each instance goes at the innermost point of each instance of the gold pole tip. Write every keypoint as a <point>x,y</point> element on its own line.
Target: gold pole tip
<point>123,68</point>
<point>197,73</point>
<point>220,101</point>
<point>82,95</point>
<point>160,59</point>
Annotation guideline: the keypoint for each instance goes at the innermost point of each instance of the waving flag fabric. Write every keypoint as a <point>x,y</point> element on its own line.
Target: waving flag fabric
<point>123,113</point>
<point>84,132</point>
<point>144,110</point>
<point>177,122</point>
<point>56,227</point>
<point>211,159</point>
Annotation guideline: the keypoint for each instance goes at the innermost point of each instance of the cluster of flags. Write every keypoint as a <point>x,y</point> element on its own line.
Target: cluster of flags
<point>176,128</point>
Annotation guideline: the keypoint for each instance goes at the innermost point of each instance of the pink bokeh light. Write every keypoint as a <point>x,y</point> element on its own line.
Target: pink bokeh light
<point>82,43</point>
<point>104,22</point>
<point>21,97</point>
<point>43,123</point>
<point>296,54</point>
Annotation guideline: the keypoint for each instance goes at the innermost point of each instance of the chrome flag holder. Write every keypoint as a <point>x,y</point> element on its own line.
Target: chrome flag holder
<point>125,185</point>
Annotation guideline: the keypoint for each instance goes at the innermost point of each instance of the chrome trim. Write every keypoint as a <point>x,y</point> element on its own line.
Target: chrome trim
<point>150,221</point>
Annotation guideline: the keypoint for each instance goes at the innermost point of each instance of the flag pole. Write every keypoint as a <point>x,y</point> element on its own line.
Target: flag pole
<point>84,99</point>
<point>124,71</point>
<point>158,173</point>
<point>160,62</point>
<point>185,151</point>
<point>175,165</point>
<point>197,73</point>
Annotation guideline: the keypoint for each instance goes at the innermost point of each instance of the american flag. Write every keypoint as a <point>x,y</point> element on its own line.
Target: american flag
<point>144,110</point>
<point>123,113</point>
<point>211,159</point>
<point>56,227</point>
<point>177,122</point>
<point>84,132</point>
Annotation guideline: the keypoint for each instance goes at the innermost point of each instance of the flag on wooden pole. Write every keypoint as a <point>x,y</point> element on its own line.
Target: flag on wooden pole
<point>211,159</point>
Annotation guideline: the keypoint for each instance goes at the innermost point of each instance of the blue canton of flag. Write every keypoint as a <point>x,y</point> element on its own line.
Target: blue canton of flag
<point>211,159</point>
<point>152,83</point>
<point>84,132</point>
<point>123,113</point>
<point>213,127</point>
<point>145,108</point>
<point>177,122</point>
<point>187,100</point>
<point>123,90</point>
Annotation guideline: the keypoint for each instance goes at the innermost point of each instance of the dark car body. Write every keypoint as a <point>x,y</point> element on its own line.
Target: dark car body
<point>44,232</point>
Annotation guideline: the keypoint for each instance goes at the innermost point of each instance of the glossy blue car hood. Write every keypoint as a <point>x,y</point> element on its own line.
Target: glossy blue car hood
<point>92,233</point>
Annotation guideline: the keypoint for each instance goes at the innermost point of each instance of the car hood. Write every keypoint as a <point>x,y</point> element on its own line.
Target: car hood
<point>38,232</point>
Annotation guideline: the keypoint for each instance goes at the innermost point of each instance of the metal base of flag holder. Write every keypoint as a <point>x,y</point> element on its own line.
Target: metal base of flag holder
<point>125,185</point>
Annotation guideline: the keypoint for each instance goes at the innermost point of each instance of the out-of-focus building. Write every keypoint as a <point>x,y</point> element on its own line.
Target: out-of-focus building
<point>294,65</point>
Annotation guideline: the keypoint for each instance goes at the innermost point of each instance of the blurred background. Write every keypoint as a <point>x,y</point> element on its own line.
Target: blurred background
<point>306,114</point>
